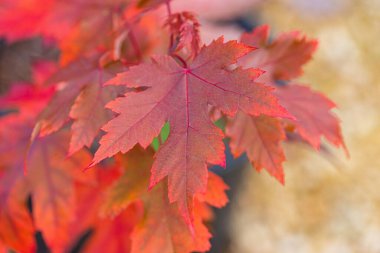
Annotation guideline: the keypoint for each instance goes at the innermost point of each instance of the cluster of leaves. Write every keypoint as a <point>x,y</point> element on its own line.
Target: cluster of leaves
<point>126,72</point>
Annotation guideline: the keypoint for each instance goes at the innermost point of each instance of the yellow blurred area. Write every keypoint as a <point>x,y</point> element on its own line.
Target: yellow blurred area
<point>329,203</point>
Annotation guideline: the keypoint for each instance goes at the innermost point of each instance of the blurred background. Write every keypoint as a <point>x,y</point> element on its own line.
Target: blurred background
<point>329,203</point>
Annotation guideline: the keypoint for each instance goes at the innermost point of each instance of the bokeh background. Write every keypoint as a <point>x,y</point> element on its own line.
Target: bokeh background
<point>329,203</point>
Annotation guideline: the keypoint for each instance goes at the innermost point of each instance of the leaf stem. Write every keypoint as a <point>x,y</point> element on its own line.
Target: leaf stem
<point>168,8</point>
<point>180,59</point>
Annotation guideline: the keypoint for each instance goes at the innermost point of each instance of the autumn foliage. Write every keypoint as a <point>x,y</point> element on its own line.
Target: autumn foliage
<point>77,163</point>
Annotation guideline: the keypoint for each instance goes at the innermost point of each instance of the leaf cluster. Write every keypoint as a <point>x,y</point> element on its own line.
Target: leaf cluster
<point>112,149</point>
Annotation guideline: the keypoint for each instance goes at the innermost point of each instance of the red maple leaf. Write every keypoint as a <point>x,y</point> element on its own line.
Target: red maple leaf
<point>181,95</point>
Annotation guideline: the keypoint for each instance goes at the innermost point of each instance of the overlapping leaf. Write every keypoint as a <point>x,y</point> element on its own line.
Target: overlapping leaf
<point>80,97</point>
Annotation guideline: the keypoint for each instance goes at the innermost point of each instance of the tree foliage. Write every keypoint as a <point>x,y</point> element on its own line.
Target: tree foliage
<point>77,164</point>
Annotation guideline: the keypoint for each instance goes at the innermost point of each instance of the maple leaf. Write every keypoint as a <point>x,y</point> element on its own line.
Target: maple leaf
<point>81,97</point>
<point>283,58</point>
<point>181,95</point>
<point>313,113</point>
<point>260,137</point>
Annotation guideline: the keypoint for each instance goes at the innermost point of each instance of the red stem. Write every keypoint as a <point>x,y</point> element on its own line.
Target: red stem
<point>180,59</point>
<point>168,8</point>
